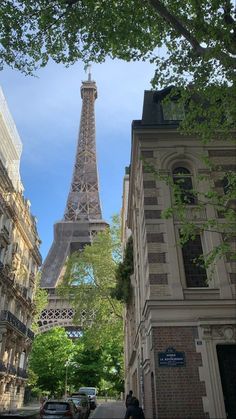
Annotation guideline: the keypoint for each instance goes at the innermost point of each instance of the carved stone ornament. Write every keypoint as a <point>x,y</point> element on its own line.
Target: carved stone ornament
<point>224,332</point>
<point>207,332</point>
<point>143,334</point>
<point>3,333</point>
<point>229,333</point>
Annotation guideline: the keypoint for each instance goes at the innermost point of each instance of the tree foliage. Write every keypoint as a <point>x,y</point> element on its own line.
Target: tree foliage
<point>96,358</point>
<point>50,352</point>
<point>55,356</point>
<point>125,269</point>
<point>99,366</point>
<point>192,44</point>
<point>89,280</point>
<point>193,32</point>
<point>90,276</point>
<point>40,301</point>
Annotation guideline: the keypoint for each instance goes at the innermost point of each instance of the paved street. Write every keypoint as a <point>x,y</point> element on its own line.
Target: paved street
<point>112,410</point>
<point>108,410</point>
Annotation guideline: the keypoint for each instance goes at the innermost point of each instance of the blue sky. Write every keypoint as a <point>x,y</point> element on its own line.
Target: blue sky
<point>46,110</point>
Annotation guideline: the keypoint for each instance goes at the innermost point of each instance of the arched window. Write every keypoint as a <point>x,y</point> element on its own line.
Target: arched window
<point>183,179</point>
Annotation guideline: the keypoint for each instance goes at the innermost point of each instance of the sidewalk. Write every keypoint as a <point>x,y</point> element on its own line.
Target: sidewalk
<point>29,411</point>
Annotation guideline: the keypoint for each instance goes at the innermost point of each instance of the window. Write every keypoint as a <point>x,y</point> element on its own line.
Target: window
<point>8,387</point>
<point>194,273</point>
<point>226,185</point>
<point>173,110</point>
<point>183,179</point>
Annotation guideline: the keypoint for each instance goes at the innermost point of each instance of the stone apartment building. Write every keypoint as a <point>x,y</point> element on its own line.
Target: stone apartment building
<point>19,262</point>
<point>180,344</point>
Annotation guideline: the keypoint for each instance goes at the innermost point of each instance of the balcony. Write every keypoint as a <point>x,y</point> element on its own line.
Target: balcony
<point>10,318</point>
<point>3,368</point>
<point>32,276</point>
<point>21,373</point>
<point>22,289</point>
<point>5,235</point>
<point>5,274</point>
<point>11,369</point>
<point>30,334</point>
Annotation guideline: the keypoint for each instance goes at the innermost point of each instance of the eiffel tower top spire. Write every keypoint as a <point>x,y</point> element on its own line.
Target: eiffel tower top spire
<point>89,72</point>
<point>83,201</point>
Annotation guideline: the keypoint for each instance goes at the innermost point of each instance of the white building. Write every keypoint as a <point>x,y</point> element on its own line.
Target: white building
<point>11,145</point>
<point>19,263</point>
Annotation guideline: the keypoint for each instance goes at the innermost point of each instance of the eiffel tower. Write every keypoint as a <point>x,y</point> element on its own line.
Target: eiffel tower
<point>82,218</point>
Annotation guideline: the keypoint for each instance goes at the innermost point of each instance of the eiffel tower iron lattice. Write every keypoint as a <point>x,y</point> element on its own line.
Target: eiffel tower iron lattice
<point>82,218</point>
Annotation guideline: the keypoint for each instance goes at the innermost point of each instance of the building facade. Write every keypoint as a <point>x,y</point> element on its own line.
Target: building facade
<point>19,263</point>
<point>82,218</point>
<point>180,326</point>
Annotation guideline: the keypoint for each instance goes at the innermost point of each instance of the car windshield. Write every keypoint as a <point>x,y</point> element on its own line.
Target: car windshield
<point>75,400</point>
<point>79,394</point>
<point>61,407</point>
<point>89,391</point>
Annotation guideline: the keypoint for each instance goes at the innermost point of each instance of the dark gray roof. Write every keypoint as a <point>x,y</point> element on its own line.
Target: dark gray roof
<point>153,110</point>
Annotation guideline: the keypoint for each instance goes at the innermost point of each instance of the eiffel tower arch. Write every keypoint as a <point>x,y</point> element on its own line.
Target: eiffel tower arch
<point>81,222</point>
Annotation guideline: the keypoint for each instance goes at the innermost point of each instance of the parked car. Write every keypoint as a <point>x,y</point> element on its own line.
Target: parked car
<point>80,394</point>
<point>59,409</point>
<point>82,404</point>
<point>92,393</point>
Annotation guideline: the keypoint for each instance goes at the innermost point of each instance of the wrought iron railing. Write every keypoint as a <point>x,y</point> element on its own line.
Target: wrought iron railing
<point>4,232</point>
<point>3,367</point>
<point>22,373</point>
<point>7,316</point>
<point>11,369</point>
<point>32,276</point>
<point>30,334</point>
<point>24,291</point>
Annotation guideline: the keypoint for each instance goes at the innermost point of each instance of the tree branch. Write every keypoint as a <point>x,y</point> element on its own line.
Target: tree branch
<point>176,24</point>
<point>228,18</point>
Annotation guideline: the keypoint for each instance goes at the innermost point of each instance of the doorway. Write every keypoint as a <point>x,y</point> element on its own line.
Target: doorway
<point>227,365</point>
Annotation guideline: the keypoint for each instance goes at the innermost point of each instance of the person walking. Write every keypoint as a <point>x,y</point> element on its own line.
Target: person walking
<point>134,411</point>
<point>128,398</point>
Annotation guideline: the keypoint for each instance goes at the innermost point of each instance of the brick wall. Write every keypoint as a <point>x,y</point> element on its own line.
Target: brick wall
<point>178,389</point>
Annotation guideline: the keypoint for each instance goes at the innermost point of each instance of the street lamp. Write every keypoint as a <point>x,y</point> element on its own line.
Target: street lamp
<point>68,362</point>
